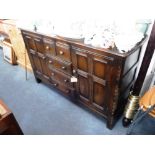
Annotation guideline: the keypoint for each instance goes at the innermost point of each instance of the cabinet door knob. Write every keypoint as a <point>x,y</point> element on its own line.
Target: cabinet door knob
<point>61,52</point>
<point>50,62</point>
<point>63,67</point>
<point>47,47</point>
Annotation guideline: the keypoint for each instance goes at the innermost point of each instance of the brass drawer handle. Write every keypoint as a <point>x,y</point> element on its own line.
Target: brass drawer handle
<point>63,67</point>
<point>47,47</point>
<point>50,61</point>
<point>61,52</point>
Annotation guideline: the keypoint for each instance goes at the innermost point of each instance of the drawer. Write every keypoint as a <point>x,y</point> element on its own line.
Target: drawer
<point>62,88</point>
<point>63,51</point>
<point>49,46</point>
<point>61,78</point>
<point>61,65</point>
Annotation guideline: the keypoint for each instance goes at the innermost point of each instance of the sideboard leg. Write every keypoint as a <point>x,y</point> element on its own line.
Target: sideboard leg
<point>38,80</point>
<point>110,122</point>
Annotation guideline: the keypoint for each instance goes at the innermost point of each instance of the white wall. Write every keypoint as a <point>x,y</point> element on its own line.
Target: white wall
<point>66,9</point>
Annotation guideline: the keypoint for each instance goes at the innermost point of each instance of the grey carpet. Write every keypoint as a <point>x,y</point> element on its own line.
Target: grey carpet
<point>41,111</point>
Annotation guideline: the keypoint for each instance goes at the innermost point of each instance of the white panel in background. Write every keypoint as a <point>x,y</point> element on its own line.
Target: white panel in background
<point>77,8</point>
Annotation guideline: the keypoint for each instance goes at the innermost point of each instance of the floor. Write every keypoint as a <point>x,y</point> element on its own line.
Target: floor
<point>42,111</point>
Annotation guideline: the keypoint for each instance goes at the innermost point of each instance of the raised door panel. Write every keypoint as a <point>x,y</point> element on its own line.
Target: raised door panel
<point>30,43</point>
<point>99,94</point>
<point>35,62</point>
<point>99,68</point>
<point>83,80</point>
<point>82,62</point>
<point>39,44</point>
<point>105,68</point>
<point>45,69</point>
<point>83,88</point>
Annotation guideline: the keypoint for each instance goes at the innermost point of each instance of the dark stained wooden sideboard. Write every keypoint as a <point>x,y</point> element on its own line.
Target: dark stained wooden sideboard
<point>104,77</point>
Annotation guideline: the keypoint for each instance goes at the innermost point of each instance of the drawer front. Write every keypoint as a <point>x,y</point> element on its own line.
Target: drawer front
<point>62,66</point>
<point>62,88</point>
<point>63,51</point>
<point>61,78</point>
<point>49,46</point>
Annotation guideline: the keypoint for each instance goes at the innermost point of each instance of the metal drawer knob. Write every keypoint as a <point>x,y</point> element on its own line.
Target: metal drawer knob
<point>67,91</point>
<point>53,74</point>
<point>74,71</point>
<point>61,52</point>
<point>43,57</point>
<point>65,80</point>
<point>55,84</point>
<point>63,67</point>
<point>47,47</point>
<point>50,62</point>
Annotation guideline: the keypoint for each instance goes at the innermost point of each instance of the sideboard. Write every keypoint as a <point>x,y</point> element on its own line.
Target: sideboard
<point>98,78</point>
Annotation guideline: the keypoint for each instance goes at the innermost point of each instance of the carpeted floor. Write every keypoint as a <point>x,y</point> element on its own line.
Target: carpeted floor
<point>42,111</point>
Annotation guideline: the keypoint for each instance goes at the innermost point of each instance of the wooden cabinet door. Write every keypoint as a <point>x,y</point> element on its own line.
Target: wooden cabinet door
<point>81,72</point>
<point>36,52</point>
<point>30,45</point>
<point>94,73</point>
<point>39,48</point>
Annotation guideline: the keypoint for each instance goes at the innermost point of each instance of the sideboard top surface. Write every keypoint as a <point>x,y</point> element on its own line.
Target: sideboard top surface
<point>113,51</point>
